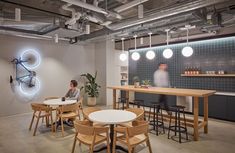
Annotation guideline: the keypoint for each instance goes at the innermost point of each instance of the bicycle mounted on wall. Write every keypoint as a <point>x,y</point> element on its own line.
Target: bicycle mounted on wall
<point>21,79</point>
<point>28,83</point>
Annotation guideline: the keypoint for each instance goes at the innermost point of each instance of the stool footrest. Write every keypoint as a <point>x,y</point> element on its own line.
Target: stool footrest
<point>178,129</point>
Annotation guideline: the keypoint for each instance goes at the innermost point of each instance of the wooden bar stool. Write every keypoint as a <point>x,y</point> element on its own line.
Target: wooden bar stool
<point>178,127</point>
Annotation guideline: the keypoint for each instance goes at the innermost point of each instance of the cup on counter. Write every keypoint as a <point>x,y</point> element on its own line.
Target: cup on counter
<point>63,99</point>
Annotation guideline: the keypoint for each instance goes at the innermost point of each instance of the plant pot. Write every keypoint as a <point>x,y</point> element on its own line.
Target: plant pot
<point>91,101</point>
<point>136,84</point>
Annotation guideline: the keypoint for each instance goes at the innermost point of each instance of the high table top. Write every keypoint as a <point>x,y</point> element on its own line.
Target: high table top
<point>57,102</point>
<point>112,116</point>
<point>167,91</point>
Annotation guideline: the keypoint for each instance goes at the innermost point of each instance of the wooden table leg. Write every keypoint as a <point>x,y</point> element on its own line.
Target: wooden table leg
<point>206,114</point>
<point>195,112</point>
<point>127,97</point>
<point>114,98</point>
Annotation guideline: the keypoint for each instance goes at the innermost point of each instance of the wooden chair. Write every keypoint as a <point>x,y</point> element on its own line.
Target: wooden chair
<point>67,112</point>
<point>90,135</point>
<point>89,110</point>
<point>138,111</point>
<point>40,111</point>
<point>139,116</point>
<point>132,136</point>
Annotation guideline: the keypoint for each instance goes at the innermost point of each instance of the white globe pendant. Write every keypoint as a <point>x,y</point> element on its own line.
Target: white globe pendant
<point>123,57</point>
<point>167,53</point>
<point>187,51</point>
<point>135,56</point>
<point>150,54</point>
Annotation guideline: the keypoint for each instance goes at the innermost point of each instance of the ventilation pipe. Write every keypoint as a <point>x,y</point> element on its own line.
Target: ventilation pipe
<point>190,6</point>
<point>76,16</point>
<point>92,8</point>
<point>129,5</point>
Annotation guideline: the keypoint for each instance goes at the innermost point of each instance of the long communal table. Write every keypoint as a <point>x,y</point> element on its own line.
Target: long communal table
<point>195,93</point>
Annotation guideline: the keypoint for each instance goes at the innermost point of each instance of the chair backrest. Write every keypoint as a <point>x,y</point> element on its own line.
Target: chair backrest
<point>83,127</point>
<point>39,107</point>
<point>52,97</point>
<point>138,111</point>
<point>88,110</point>
<point>70,108</point>
<point>139,127</point>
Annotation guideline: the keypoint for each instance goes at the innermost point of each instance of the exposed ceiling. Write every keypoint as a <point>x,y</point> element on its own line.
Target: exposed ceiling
<point>87,19</point>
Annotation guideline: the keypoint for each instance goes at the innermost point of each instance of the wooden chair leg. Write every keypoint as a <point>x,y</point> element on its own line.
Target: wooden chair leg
<point>30,126</point>
<point>74,143</point>
<point>114,142</point>
<point>133,150</point>
<point>108,145</point>
<point>36,126</point>
<point>91,148</point>
<point>52,125</point>
<point>62,126</point>
<point>129,149</point>
<point>47,121</point>
<point>149,145</point>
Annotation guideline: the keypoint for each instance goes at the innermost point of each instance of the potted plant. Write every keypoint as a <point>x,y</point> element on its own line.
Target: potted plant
<point>136,81</point>
<point>146,83</point>
<point>91,88</point>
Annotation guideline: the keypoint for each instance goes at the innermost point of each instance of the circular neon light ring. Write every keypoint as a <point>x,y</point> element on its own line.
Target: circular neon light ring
<point>25,57</point>
<point>32,91</point>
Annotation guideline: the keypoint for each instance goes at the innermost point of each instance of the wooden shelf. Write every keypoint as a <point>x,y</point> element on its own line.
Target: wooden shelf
<point>208,75</point>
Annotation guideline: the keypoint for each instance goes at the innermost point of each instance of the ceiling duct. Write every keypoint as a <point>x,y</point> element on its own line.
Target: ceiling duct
<point>190,6</point>
<point>129,5</point>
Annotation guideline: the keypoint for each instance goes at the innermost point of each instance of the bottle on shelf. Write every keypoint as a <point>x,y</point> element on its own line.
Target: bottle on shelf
<point>186,70</point>
<point>190,71</point>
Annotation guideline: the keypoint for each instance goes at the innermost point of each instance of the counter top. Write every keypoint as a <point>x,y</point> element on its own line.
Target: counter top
<point>225,93</point>
<point>167,91</point>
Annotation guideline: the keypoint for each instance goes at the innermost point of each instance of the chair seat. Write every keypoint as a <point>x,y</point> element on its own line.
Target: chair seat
<point>87,139</point>
<point>69,115</point>
<point>133,140</point>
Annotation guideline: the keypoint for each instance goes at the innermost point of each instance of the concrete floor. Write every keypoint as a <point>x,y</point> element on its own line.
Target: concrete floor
<point>15,138</point>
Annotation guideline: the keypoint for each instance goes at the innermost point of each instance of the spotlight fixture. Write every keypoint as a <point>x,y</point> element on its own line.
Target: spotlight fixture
<point>167,53</point>
<point>150,54</point>
<point>187,51</point>
<point>135,56</point>
<point>123,56</point>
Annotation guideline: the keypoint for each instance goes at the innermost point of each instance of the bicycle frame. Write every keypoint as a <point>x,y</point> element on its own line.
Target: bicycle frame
<point>20,79</point>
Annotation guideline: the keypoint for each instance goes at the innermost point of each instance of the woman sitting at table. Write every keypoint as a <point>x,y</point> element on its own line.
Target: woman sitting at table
<point>73,93</point>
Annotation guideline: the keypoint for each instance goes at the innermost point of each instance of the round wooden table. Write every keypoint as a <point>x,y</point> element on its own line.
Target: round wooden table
<point>112,117</point>
<point>58,102</point>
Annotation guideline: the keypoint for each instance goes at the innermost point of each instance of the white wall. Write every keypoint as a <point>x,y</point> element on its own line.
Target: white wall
<point>100,67</point>
<point>60,63</point>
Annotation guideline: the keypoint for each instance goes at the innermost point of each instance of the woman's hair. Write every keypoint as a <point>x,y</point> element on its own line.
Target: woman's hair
<point>74,82</point>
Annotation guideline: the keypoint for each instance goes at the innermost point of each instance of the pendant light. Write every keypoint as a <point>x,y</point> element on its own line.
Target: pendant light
<point>167,53</point>
<point>123,55</point>
<point>150,54</point>
<point>187,51</point>
<point>135,55</point>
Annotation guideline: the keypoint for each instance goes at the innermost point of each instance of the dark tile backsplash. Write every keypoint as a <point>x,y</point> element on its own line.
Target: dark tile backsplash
<point>209,55</point>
